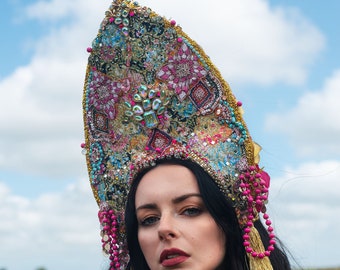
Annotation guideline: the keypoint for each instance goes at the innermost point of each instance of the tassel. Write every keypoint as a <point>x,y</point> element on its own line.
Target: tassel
<point>257,263</point>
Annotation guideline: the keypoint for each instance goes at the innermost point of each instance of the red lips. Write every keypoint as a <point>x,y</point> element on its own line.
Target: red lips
<point>172,257</point>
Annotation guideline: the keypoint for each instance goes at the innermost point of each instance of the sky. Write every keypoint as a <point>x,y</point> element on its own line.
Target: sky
<point>281,58</point>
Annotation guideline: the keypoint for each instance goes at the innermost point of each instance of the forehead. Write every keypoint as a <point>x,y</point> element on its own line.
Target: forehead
<point>166,181</point>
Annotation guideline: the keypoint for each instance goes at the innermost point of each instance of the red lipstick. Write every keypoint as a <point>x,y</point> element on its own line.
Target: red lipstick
<point>172,257</point>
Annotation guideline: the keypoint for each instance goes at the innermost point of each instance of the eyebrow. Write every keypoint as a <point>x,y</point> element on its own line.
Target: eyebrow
<point>174,201</point>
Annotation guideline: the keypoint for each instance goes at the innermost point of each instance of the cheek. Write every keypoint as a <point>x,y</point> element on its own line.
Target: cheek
<point>145,240</point>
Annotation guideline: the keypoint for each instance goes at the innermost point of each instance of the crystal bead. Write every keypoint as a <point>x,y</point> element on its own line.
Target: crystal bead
<point>156,104</point>
<point>151,119</point>
<point>118,20</point>
<point>129,113</point>
<point>125,31</point>
<point>125,13</point>
<point>138,110</point>
<point>143,91</point>
<point>147,104</point>
<point>160,110</point>
<point>137,98</point>
<point>126,22</point>
<point>139,118</point>
<point>127,105</point>
<point>152,94</point>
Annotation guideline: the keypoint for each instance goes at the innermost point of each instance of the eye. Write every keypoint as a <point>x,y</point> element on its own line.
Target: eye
<point>192,211</point>
<point>148,221</point>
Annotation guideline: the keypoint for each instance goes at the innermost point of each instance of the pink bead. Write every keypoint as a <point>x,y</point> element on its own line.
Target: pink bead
<point>270,229</point>
<point>173,22</point>
<point>271,248</point>
<point>265,216</point>
<point>268,222</point>
<point>267,253</point>
<point>132,13</point>
<point>272,242</point>
<point>247,230</point>
<point>246,243</point>
<point>260,255</point>
<point>239,103</point>
<point>254,254</point>
<point>249,250</point>
<point>246,237</point>
<point>89,49</point>
<point>111,20</point>
<point>83,145</point>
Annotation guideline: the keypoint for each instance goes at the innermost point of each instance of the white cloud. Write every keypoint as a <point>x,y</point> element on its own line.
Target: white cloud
<point>304,203</point>
<point>41,116</point>
<point>56,230</point>
<point>313,125</point>
<point>249,41</point>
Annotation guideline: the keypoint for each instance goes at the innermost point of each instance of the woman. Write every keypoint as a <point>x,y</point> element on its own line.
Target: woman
<point>152,96</point>
<point>159,224</point>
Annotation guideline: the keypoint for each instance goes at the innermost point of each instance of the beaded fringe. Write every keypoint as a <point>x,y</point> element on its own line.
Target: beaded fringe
<point>256,243</point>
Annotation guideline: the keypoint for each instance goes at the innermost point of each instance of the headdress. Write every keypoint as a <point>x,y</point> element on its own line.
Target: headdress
<point>152,93</point>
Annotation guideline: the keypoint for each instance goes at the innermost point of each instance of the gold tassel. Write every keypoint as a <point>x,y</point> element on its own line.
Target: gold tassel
<point>257,245</point>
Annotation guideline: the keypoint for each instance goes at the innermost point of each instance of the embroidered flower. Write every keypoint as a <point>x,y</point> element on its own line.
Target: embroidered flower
<point>182,71</point>
<point>104,93</point>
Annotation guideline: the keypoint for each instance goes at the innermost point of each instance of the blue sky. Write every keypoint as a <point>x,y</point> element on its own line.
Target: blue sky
<point>281,59</point>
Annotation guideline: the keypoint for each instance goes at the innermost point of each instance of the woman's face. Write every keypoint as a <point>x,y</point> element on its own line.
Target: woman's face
<point>175,229</point>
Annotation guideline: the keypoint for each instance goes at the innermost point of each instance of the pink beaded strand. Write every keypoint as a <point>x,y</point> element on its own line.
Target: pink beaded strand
<point>108,220</point>
<point>255,190</point>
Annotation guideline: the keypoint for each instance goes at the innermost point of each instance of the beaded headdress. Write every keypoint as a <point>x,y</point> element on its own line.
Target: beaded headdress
<point>152,93</point>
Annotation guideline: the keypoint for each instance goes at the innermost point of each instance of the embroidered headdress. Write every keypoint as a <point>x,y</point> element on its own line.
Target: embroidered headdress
<point>152,93</point>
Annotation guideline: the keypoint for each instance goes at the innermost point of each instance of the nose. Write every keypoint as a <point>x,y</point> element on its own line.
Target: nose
<point>167,228</point>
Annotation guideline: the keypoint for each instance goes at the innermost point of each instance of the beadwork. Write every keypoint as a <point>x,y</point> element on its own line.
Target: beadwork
<point>152,93</point>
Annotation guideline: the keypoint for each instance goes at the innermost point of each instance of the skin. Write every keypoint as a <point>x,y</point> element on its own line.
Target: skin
<point>172,216</point>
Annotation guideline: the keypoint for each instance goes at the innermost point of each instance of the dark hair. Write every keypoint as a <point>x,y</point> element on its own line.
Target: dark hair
<point>219,208</point>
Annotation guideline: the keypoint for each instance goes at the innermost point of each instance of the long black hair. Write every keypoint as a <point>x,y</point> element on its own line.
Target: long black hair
<point>219,208</point>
